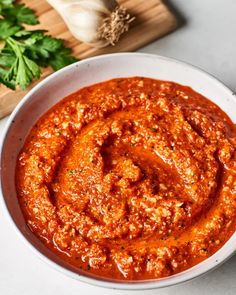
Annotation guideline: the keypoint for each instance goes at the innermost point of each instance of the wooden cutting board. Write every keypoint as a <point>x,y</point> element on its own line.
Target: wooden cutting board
<point>152,20</point>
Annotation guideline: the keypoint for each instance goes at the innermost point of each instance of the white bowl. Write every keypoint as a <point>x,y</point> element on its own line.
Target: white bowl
<point>83,73</point>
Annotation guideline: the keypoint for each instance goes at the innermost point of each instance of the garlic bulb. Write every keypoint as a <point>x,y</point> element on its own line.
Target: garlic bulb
<point>96,22</point>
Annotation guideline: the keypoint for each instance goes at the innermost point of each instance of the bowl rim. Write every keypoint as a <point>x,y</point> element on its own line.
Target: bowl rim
<point>122,285</point>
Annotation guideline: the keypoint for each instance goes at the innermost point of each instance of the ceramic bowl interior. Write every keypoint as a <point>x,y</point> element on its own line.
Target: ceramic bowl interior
<point>70,79</point>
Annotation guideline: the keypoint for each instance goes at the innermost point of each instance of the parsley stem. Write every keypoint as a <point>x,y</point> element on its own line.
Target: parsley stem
<point>14,45</point>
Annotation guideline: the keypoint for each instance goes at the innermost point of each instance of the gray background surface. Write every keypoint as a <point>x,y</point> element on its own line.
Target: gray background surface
<point>206,39</point>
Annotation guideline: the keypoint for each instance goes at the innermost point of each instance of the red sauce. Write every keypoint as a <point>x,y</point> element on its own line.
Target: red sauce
<point>132,178</point>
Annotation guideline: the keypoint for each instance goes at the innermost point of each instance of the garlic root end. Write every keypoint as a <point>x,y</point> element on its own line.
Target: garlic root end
<point>115,25</point>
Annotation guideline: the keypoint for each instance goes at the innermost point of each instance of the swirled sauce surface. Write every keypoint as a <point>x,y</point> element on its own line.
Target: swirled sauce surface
<point>132,178</point>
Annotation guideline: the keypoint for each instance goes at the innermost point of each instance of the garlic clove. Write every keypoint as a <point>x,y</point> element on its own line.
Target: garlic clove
<point>83,25</point>
<point>59,5</point>
<point>104,6</point>
<point>80,18</point>
<point>89,38</point>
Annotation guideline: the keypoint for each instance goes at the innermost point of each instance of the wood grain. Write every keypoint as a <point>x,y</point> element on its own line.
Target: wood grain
<point>152,20</point>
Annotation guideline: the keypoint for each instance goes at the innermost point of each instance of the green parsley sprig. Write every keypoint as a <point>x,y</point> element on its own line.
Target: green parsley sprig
<point>23,51</point>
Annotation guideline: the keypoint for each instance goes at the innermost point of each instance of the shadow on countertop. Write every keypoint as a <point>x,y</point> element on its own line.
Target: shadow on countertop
<point>181,20</point>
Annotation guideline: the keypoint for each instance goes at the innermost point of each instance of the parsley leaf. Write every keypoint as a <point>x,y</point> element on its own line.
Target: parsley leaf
<point>21,14</point>
<point>23,52</point>
<point>7,59</point>
<point>26,71</point>
<point>9,84</point>
<point>23,70</point>
<point>48,51</point>
<point>39,46</point>
<point>7,28</point>
<point>153,129</point>
<point>6,2</point>
<point>62,59</point>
